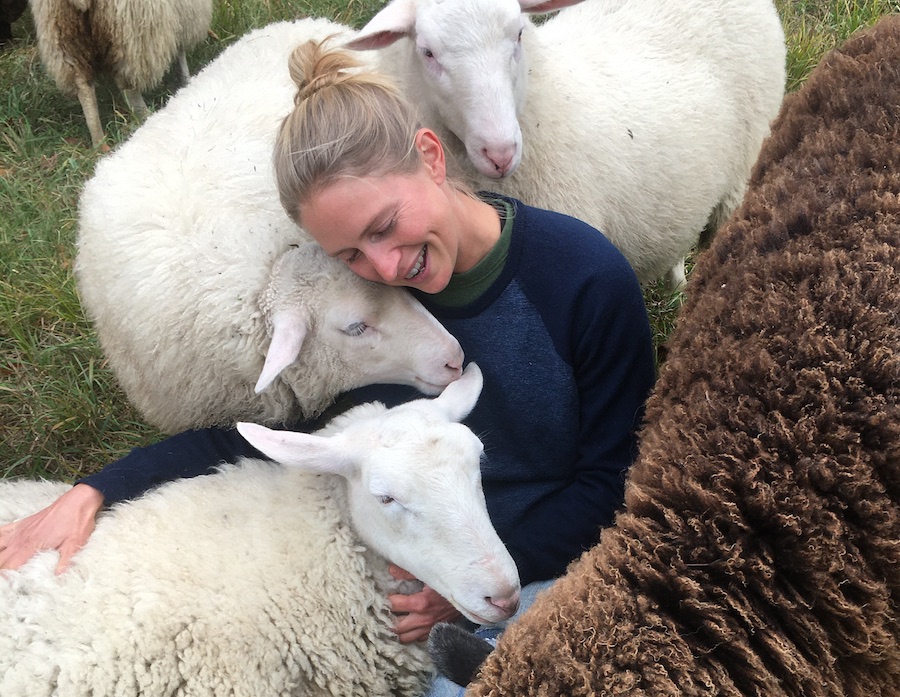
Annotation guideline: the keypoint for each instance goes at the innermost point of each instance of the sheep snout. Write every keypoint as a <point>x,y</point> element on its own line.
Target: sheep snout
<point>501,160</point>
<point>507,604</point>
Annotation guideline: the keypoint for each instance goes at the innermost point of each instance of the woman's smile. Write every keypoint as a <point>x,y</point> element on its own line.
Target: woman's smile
<point>419,265</point>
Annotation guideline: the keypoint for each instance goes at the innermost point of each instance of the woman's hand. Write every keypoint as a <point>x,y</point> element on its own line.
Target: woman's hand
<point>419,612</point>
<point>65,525</point>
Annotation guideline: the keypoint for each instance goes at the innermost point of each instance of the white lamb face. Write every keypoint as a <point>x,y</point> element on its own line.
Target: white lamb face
<point>417,500</point>
<point>326,320</point>
<point>477,76</point>
<point>414,492</point>
<point>468,59</point>
<point>380,334</point>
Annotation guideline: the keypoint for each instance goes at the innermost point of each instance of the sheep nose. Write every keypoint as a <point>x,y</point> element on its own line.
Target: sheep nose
<point>455,369</point>
<point>508,604</point>
<point>501,157</point>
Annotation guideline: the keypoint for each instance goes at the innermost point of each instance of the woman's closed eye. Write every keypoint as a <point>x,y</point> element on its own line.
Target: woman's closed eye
<point>384,231</point>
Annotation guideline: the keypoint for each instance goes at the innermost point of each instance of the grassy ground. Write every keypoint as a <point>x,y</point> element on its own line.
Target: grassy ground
<point>61,413</point>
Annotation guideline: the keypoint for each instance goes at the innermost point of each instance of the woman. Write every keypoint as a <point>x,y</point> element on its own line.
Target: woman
<point>545,305</point>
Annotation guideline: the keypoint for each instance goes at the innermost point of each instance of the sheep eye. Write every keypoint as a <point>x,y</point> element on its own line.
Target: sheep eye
<point>519,37</point>
<point>356,329</point>
<point>428,53</point>
<point>385,499</point>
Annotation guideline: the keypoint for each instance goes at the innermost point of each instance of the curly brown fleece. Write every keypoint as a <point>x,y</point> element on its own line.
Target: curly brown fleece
<point>759,553</point>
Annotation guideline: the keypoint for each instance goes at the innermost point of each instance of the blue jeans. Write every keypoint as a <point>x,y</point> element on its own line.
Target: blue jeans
<point>441,686</point>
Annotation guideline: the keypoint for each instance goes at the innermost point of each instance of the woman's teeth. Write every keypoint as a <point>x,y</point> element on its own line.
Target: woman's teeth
<point>418,266</point>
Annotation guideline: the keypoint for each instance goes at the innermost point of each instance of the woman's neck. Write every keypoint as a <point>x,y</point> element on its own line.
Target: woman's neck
<point>479,230</point>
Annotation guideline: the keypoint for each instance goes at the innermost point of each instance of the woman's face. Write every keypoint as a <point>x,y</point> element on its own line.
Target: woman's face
<point>395,229</point>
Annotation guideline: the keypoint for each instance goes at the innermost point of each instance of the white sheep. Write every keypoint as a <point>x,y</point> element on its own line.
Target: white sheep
<point>136,41</point>
<point>179,232</point>
<point>641,117</point>
<point>265,579</point>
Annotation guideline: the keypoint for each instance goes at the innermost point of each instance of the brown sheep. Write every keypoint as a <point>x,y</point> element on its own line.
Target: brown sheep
<point>759,550</point>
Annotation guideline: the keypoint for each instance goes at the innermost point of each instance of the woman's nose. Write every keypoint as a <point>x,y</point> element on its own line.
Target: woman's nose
<point>384,264</point>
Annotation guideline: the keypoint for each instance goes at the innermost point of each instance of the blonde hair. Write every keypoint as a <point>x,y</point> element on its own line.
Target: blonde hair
<point>345,122</point>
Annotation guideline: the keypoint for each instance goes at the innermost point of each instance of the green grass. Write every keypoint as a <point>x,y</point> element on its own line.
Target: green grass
<point>61,413</point>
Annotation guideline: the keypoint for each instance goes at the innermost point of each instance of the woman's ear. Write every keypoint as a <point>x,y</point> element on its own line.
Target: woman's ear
<point>431,151</point>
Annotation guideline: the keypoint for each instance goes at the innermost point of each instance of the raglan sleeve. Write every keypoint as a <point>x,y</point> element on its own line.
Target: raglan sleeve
<point>202,451</point>
<point>187,454</point>
<point>614,369</point>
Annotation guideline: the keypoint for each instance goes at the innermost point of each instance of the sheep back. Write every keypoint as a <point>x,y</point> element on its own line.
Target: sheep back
<point>644,118</point>
<point>178,231</point>
<point>135,41</point>
<point>245,583</point>
<point>758,550</point>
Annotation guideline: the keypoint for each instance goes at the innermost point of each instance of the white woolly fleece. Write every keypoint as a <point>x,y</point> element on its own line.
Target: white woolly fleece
<point>248,583</point>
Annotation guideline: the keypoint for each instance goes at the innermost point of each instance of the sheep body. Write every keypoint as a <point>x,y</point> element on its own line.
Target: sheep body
<point>136,42</point>
<point>758,550</point>
<point>176,262</point>
<point>641,117</point>
<point>251,581</point>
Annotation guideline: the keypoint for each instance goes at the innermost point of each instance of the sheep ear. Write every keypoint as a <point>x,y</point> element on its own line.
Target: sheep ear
<point>396,20</point>
<point>319,454</point>
<point>460,396</point>
<point>288,333</point>
<point>537,6</point>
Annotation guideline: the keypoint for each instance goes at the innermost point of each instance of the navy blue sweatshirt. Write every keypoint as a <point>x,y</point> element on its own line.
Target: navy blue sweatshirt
<point>564,343</point>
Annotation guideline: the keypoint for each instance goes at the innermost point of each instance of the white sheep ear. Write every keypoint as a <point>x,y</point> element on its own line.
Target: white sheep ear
<point>460,396</point>
<point>537,6</point>
<point>396,20</point>
<point>288,332</point>
<point>307,451</point>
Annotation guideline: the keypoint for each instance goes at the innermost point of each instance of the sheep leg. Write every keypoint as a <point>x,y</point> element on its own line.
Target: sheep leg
<point>87,95</point>
<point>183,68</point>
<point>136,103</point>
<point>675,278</point>
<point>457,654</point>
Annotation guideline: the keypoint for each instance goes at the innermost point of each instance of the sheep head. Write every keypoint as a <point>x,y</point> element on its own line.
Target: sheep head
<point>414,491</point>
<point>326,323</point>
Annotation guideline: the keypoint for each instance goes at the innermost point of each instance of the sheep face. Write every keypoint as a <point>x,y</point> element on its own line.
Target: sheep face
<point>469,54</point>
<point>414,492</point>
<point>354,331</point>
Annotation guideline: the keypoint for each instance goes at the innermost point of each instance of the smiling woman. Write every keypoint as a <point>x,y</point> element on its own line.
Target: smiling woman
<point>543,302</point>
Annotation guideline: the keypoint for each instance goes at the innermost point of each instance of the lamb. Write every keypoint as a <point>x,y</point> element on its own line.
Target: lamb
<point>186,261</point>
<point>265,579</point>
<point>758,551</point>
<point>641,118</point>
<point>135,41</point>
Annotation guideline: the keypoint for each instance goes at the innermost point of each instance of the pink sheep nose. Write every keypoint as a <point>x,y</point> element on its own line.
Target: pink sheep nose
<point>507,604</point>
<point>501,157</point>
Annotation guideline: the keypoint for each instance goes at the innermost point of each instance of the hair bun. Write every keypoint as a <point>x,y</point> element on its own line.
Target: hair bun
<point>314,66</point>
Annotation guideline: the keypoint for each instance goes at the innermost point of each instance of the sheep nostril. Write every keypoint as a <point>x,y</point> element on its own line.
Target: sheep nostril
<point>501,157</point>
<point>508,603</point>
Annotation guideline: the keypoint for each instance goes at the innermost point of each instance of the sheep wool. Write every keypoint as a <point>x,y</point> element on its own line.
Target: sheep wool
<point>248,583</point>
<point>758,550</point>
<point>136,41</point>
